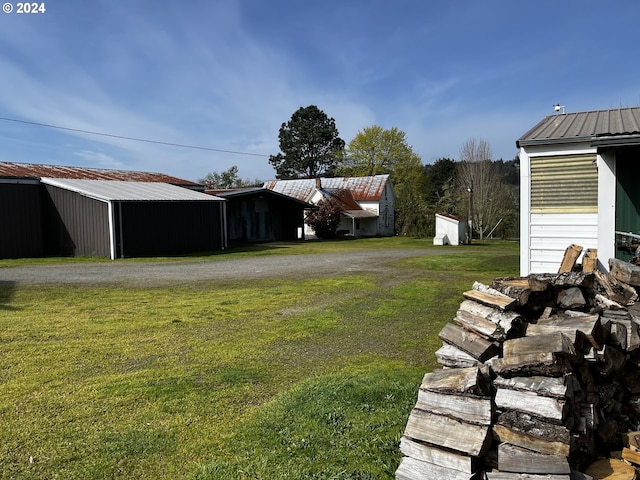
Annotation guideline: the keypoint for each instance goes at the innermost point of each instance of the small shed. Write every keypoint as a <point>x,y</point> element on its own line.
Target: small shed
<point>258,214</point>
<point>579,185</point>
<point>450,230</point>
<point>116,219</point>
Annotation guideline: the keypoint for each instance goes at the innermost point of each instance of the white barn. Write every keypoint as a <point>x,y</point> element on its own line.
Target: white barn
<point>579,185</point>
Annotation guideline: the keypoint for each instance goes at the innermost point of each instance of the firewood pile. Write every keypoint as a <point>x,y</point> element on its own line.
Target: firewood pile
<point>540,380</point>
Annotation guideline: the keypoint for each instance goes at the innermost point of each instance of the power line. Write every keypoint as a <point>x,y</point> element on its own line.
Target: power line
<point>122,137</point>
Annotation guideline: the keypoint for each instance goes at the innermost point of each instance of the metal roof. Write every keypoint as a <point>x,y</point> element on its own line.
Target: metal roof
<point>115,190</point>
<point>616,126</point>
<point>363,189</point>
<point>250,191</point>
<point>31,170</point>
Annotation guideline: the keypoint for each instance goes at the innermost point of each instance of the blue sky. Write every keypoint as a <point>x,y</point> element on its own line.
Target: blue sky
<point>225,74</point>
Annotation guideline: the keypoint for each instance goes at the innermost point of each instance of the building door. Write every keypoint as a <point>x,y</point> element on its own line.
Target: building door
<point>627,202</point>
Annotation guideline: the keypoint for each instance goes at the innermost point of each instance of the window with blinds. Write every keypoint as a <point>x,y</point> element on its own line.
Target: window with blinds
<point>564,184</point>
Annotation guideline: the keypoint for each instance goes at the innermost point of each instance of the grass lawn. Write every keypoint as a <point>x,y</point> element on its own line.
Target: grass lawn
<point>278,379</point>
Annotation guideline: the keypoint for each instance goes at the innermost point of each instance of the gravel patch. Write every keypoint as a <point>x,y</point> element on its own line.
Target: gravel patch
<point>264,267</point>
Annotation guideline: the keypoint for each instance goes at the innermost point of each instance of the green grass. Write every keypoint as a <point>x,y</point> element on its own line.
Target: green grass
<point>258,380</point>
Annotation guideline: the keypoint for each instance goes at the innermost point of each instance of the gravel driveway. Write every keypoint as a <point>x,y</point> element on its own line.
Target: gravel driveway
<point>149,273</point>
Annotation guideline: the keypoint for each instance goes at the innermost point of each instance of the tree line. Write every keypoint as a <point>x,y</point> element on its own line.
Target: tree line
<point>474,186</point>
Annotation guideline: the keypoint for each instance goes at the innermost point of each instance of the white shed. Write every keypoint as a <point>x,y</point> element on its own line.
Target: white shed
<point>450,230</point>
<point>578,178</point>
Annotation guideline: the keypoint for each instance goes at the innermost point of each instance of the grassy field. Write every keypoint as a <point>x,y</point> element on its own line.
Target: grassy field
<point>279,379</point>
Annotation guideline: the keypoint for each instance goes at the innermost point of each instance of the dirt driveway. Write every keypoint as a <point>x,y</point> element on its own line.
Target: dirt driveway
<point>219,268</point>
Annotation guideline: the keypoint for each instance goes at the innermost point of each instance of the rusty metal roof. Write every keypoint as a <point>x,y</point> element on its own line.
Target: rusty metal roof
<point>30,170</point>
<point>363,189</point>
<point>116,190</point>
<point>623,124</point>
<point>255,191</point>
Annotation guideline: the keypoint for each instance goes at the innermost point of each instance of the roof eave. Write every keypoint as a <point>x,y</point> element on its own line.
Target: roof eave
<point>616,140</point>
<point>523,142</point>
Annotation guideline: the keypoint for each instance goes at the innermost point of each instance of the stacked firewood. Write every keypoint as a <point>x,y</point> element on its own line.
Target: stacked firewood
<point>540,378</point>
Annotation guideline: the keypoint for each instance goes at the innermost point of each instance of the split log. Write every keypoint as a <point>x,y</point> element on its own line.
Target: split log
<point>480,325</point>
<point>631,440</point>
<point>544,342</point>
<point>622,321</point>
<point>531,433</point>
<point>452,357</point>
<point>461,381</point>
<point>614,361</point>
<point>590,260</point>
<point>469,342</point>
<point>548,386</point>
<point>413,469</point>
<point>515,287</point>
<point>614,289</point>
<point>631,456</point>
<point>512,458</point>
<point>437,456</point>
<point>624,271</point>
<point>570,257</point>
<point>571,298</point>
<point>507,320</point>
<point>611,469</point>
<point>549,364</point>
<point>530,476</point>
<point>447,433</point>
<point>501,302</point>
<point>578,326</point>
<point>462,393</point>
<point>549,408</point>
<point>470,409</point>
<point>568,279</point>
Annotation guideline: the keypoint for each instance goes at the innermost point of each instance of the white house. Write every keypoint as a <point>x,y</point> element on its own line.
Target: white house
<point>579,185</point>
<point>367,203</point>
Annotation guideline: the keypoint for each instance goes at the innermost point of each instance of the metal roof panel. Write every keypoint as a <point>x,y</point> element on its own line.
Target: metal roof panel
<point>363,189</point>
<point>582,126</point>
<point>31,170</point>
<point>115,190</point>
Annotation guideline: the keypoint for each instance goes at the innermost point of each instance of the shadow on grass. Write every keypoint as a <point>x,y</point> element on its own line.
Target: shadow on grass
<point>7,290</point>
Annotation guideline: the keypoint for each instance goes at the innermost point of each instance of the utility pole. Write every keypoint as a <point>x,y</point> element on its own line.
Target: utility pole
<point>470,221</point>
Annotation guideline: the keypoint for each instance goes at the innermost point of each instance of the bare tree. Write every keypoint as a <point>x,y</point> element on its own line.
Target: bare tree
<point>480,181</point>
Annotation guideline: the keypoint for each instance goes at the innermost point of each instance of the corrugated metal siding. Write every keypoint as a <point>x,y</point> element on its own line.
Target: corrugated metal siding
<point>551,234</point>
<point>564,184</point>
<point>20,220</point>
<point>169,228</point>
<point>75,225</point>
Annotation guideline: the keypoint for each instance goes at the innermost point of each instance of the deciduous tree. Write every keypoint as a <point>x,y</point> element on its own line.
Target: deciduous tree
<point>310,145</point>
<point>227,179</point>
<point>375,150</point>
<point>482,184</point>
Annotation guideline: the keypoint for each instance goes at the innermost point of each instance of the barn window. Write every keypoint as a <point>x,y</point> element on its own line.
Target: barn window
<point>564,184</point>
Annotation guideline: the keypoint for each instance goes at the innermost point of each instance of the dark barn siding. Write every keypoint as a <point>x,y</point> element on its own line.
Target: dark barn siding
<point>20,220</point>
<point>262,218</point>
<point>75,225</point>
<point>168,228</point>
